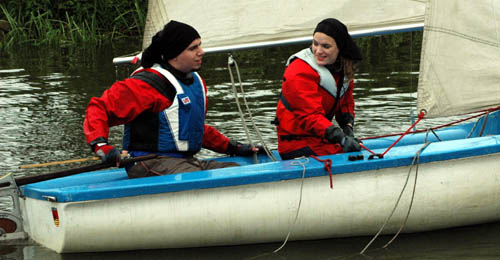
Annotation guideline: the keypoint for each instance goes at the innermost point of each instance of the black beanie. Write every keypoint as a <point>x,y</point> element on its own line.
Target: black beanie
<point>338,31</point>
<point>168,43</point>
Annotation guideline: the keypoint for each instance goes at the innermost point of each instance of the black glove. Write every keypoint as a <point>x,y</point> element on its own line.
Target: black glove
<point>351,144</point>
<point>239,149</point>
<point>107,153</point>
<point>348,130</point>
<point>335,135</point>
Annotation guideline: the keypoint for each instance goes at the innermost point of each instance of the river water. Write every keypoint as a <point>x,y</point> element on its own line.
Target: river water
<point>44,93</point>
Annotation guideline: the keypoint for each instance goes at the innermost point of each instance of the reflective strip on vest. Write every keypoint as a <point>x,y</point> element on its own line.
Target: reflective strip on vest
<point>327,81</point>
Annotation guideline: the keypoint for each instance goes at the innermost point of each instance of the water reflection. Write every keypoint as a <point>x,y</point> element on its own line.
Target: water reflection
<point>474,242</point>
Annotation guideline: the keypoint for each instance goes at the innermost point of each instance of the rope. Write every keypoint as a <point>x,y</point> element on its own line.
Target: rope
<point>484,124</point>
<point>416,158</point>
<point>412,196</point>
<point>230,62</point>
<point>482,112</point>
<point>420,117</point>
<point>366,148</point>
<point>328,166</point>
<point>306,161</point>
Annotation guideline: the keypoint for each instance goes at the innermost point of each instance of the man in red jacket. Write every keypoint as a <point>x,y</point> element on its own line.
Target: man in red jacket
<point>163,106</point>
<point>317,86</point>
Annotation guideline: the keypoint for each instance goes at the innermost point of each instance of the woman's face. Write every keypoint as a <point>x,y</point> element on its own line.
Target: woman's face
<point>324,49</point>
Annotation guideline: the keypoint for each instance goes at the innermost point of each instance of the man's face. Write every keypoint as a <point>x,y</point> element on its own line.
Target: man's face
<point>190,59</point>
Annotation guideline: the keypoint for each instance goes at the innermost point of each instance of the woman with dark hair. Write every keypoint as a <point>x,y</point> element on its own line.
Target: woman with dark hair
<point>163,106</point>
<point>317,86</point>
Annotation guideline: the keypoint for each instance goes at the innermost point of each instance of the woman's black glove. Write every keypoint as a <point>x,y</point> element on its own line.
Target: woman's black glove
<point>348,130</point>
<point>351,145</point>
<point>239,149</point>
<point>335,135</point>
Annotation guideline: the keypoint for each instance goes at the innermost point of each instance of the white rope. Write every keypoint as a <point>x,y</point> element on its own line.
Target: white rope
<point>231,61</point>
<point>412,196</point>
<point>306,161</point>
<point>417,156</point>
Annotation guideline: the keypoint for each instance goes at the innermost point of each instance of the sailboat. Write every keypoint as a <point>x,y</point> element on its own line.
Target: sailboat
<point>412,182</point>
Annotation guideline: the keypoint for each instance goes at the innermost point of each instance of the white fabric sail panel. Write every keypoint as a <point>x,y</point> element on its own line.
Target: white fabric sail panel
<point>460,63</point>
<point>155,20</point>
<point>223,23</point>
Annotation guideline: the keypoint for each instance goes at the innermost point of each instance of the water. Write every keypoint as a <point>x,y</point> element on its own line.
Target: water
<point>44,92</point>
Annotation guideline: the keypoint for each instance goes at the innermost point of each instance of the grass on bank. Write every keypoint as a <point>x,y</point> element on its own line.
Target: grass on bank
<point>63,27</point>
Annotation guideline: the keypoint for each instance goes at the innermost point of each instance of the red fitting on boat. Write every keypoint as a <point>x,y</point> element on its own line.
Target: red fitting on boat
<point>135,60</point>
<point>328,167</point>
<point>421,115</point>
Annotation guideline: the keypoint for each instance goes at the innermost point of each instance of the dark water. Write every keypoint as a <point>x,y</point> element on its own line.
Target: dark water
<point>44,92</point>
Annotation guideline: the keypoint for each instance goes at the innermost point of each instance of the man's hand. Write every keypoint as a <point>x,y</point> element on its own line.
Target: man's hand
<point>107,153</point>
<point>239,149</point>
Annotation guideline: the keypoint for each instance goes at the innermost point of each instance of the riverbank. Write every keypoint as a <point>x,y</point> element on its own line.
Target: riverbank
<point>69,22</point>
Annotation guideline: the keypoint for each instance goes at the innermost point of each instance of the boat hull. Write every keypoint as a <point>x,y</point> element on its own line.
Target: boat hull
<point>448,193</point>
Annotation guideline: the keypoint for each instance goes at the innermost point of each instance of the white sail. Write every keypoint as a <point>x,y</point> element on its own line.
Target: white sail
<point>229,24</point>
<point>460,62</point>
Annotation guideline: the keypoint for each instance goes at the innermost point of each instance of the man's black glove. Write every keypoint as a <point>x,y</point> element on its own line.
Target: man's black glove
<point>335,135</point>
<point>239,149</point>
<point>107,153</point>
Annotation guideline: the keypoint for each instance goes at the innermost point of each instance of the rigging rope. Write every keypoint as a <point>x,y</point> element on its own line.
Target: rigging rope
<point>328,166</point>
<point>230,63</point>
<point>420,117</point>
<point>481,113</point>
<point>416,161</point>
<point>412,108</point>
<point>484,124</point>
<point>306,161</point>
<point>412,196</point>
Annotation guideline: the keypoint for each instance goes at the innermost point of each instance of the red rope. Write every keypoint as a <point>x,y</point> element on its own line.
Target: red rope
<point>420,117</point>
<point>483,112</point>
<point>328,166</point>
<point>366,148</point>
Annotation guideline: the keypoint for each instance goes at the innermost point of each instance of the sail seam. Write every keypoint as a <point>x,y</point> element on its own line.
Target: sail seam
<point>461,35</point>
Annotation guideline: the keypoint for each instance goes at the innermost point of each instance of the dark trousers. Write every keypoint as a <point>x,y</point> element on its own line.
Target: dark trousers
<point>163,165</point>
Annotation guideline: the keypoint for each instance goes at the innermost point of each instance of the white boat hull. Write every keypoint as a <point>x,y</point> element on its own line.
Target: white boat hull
<point>448,194</point>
